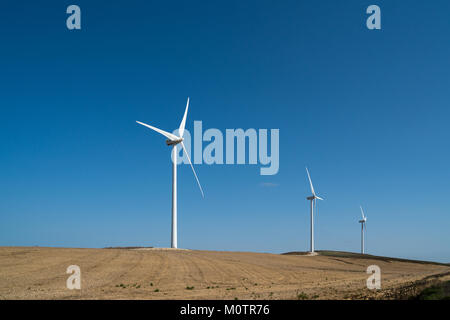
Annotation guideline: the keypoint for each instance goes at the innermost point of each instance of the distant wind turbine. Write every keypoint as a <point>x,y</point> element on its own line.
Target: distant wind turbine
<point>363,228</point>
<point>174,141</point>
<point>313,206</point>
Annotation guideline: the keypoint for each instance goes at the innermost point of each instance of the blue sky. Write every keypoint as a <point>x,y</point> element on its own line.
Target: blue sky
<point>366,111</point>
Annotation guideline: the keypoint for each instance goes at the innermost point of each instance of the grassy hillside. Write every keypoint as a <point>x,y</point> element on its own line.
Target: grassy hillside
<point>437,292</point>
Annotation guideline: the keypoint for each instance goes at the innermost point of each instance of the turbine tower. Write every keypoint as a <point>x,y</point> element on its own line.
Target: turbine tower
<point>363,227</point>
<point>173,141</point>
<point>313,206</point>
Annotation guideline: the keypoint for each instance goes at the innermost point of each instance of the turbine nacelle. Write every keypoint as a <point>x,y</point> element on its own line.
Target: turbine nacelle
<point>313,197</point>
<point>174,142</point>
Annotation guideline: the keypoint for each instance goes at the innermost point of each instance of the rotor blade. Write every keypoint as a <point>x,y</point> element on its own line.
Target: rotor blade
<point>164,133</point>
<point>183,122</point>
<point>193,170</point>
<point>319,198</point>
<point>362,212</point>
<point>310,182</point>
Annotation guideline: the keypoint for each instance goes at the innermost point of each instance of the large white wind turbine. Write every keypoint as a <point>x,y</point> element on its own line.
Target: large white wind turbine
<point>363,228</point>
<point>313,205</point>
<point>173,141</point>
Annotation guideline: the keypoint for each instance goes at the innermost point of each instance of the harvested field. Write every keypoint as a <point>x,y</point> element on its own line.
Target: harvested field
<point>145,273</point>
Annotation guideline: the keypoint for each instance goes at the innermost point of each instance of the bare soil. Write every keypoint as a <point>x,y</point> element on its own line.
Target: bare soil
<point>144,273</point>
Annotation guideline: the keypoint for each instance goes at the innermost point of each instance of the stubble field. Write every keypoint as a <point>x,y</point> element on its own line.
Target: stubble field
<point>40,273</point>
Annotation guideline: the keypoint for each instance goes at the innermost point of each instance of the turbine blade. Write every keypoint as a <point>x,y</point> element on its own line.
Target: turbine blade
<point>310,182</point>
<point>362,212</point>
<point>319,198</point>
<point>193,170</point>
<point>183,122</point>
<point>164,133</point>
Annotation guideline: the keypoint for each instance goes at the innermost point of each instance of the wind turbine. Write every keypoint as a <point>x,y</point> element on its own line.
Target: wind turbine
<point>313,205</point>
<point>173,141</point>
<point>363,226</point>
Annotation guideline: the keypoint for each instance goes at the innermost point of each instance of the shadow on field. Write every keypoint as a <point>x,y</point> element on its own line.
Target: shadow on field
<point>343,254</point>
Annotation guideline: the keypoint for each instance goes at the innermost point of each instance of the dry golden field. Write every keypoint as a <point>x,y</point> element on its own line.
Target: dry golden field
<point>40,273</point>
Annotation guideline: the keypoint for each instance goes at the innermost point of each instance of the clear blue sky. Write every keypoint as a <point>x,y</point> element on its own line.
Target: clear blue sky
<point>367,111</point>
